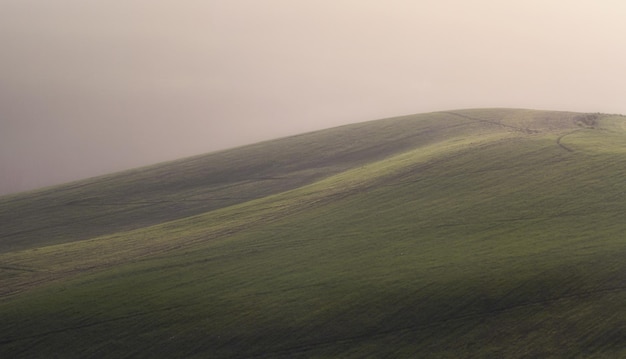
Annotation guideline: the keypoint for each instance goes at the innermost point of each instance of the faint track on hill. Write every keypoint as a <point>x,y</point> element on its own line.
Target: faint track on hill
<point>560,144</point>
<point>476,119</point>
<point>585,121</point>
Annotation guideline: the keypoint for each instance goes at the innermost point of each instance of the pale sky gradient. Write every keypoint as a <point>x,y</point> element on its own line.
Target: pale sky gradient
<point>89,87</point>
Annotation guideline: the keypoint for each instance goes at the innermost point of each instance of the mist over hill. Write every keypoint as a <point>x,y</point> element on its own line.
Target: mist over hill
<point>464,233</point>
<point>92,87</point>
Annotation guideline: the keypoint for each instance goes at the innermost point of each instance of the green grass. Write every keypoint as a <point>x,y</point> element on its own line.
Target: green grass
<point>170,191</point>
<point>446,235</point>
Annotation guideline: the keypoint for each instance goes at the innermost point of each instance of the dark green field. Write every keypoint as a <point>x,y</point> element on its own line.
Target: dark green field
<point>491,233</point>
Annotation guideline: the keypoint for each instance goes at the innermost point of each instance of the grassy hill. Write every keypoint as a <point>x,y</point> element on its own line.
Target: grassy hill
<point>473,233</point>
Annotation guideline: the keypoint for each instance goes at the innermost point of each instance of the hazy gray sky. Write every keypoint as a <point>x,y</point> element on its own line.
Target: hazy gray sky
<point>93,86</point>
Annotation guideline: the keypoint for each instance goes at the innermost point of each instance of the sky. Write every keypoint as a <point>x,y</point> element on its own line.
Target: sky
<point>89,87</point>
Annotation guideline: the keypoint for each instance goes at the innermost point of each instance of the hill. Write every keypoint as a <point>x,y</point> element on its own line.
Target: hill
<point>471,233</point>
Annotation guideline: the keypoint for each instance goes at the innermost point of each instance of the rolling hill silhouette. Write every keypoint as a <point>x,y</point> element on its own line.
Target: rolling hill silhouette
<point>468,233</point>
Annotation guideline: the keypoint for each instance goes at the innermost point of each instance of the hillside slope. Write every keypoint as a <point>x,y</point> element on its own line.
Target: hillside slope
<point>469,233</point>
<point>169,191</point>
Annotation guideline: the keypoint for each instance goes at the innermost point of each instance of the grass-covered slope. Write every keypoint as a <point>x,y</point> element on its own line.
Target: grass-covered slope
<point>482,233</point>
<point>174,190</point>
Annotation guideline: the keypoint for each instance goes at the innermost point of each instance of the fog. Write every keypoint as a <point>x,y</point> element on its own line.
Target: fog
<point>89,87</point>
